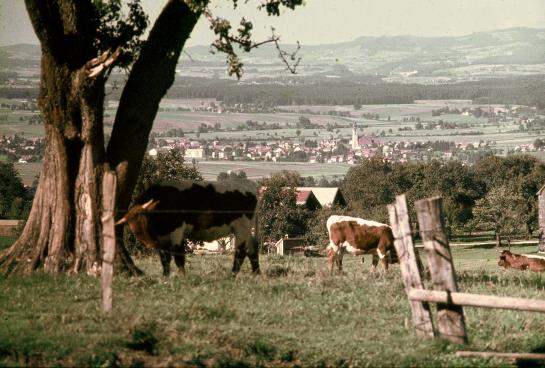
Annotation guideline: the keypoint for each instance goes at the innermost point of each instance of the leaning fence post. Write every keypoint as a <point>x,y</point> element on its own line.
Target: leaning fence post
<point>450,317</point>
<point>541,219</point>
<point>403,242</point>
<point>108,236</point>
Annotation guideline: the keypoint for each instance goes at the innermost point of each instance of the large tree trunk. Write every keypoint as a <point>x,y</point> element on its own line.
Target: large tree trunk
<point>63,230</point>
<point>63,216</point>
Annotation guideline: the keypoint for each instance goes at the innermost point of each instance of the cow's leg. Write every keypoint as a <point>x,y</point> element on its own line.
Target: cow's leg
<point>375,261</point>
<point>166,256</point>
<point>179,256</point>
<point>245,244</point>
<point>334,257</point>
<point>379,256</point>
<point>178,241</point>
<point>381,253</point>
<point>340,259</point>
<point>253,254</point>
<point>240,254</point>
<point>331,256</point>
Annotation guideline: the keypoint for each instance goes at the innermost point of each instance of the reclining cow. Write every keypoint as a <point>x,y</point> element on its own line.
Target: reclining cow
<point>522,262</point>
<point>358,236</point>
<point>167,215</point>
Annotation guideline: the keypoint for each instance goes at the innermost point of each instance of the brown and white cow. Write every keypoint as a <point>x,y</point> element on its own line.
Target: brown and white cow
<point>167,215</point>
<point>358,236</point>
<point>522,262</point>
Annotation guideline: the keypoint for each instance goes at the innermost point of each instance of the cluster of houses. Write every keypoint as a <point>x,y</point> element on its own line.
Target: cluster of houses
<point>333,150</point>
<point>22,150</point>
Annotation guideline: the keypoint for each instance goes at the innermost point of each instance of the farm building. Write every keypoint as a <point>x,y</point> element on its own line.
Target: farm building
<point>326,196</point>
<point>216,246</point>
<point>7,227</point>
<point>317,197</point>
<point>308,199</point>
<point>290,246</point>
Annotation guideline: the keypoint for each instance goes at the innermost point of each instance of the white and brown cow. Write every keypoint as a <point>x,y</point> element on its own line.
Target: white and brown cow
<point>358,236</point>
<point>167,215</point>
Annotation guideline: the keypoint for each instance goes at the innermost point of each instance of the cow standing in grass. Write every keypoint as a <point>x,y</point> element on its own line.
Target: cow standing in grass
<point>167,215</point>
<point>358,236</point>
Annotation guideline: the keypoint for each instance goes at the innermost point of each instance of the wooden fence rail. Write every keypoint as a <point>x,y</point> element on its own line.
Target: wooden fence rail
<point>477,300</point>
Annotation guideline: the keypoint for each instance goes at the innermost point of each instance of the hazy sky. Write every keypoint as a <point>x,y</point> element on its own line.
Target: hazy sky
<point>331,21</point>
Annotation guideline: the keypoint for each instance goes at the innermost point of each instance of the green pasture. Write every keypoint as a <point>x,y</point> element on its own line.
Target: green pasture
<point>259,169</point>
<point>295,314</point>
<point>14,125</point>
<point>210,169</point>
<point>29,171</point>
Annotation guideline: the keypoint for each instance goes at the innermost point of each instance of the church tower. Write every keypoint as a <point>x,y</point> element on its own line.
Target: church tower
<point>355,143</point>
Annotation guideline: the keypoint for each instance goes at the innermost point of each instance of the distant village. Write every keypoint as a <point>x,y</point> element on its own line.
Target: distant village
<point>358,147</point>
<point>313,150</point>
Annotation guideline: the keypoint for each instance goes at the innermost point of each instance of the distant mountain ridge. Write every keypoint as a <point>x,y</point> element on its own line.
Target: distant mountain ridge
<point>506,52</point>
<point>411,59</point>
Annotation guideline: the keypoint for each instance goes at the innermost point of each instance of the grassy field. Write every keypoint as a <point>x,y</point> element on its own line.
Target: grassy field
<point>259,169</point>
<point>210,169</point>
<point>294,314</point>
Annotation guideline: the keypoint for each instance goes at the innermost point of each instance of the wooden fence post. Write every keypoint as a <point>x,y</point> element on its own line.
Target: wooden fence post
<point>450,317</point>
<point>541,216</point>
<point>403,242</point>
<point>108,235</point>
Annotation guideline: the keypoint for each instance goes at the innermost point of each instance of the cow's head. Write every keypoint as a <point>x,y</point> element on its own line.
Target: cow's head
<point>332,253</point>
<point>505,257</point>
<point>137,219</point>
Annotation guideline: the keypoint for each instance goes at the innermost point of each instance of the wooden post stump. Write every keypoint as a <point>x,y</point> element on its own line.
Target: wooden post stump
<point>450,317</point>
<point>108,233</point>
<point>403,242</point>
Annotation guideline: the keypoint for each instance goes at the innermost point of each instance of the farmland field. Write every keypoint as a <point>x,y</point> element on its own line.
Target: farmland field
<point>294,314</point>
<point>210,169</point>
<point>505,136</point>
<point>255,169</point>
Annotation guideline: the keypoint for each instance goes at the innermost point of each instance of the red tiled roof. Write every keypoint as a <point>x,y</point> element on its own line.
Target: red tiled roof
<point>302,196</point>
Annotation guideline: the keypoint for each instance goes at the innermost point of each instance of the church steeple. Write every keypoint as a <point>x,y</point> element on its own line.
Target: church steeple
<point>355,138</point>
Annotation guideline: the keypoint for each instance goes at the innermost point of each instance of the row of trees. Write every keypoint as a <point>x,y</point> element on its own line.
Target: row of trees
<point>497,194</point>
<point>15,199</point>
<point>360,91</point>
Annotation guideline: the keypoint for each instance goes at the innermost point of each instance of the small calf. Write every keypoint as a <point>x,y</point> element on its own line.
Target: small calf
<point>522,262</point>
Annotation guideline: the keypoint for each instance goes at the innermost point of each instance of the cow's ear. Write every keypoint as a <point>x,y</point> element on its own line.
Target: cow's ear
<point>150,205</point>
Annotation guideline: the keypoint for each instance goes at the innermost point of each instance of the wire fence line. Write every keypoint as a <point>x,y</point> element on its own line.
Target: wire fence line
<point>190,211</point>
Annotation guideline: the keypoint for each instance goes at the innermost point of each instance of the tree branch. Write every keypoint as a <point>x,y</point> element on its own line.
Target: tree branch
<point>98,65</point>
<point>226,40</point>
<point>284,55</point>
<point>151,76</point>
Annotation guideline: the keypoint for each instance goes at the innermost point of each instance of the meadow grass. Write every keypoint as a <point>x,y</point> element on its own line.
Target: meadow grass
<point>294,314</point>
